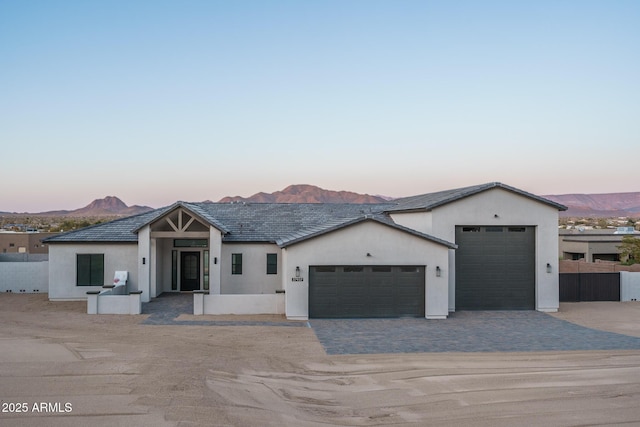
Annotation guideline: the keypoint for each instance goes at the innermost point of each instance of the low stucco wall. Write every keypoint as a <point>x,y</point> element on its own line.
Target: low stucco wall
<point>106,303</point>
<point>629,286</point>
<point>581,266</point>
<point>24,277</point>
<point>238,304</point>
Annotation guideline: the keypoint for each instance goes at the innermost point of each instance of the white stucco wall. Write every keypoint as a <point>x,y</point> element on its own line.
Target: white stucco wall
<point>629,286</point>
<point>254,278</point>
<point>144,270</point>
<point>238,304</point>
<point>27,277</point>
<point>349,246</point>
<point>511,209</point>
<point>419,221</point>
<point>215,260</point>
<point>62,267</point>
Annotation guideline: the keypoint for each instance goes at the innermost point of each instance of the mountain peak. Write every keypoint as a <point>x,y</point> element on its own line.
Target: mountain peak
<point>109,203</point>
<point>109,206</point>
<point>305,193</point>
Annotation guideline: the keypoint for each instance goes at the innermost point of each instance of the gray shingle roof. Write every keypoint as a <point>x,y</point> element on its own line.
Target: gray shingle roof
<point>433,200</point>
<point>119,230</point>
<point>239,222</point>
<point>268,222</point>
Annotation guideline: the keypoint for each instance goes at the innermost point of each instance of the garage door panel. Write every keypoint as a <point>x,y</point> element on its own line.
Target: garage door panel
<point>367,291</point>
<point>495,270</point>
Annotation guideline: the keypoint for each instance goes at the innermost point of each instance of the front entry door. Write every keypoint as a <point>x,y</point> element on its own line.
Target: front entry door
<point>190,271</point>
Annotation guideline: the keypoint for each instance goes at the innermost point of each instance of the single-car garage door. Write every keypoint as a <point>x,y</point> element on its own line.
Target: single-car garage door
<point>495,268</point>
<point>366,291</point>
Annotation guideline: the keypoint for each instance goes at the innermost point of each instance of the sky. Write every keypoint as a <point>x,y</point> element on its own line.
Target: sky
<point>158,101</point>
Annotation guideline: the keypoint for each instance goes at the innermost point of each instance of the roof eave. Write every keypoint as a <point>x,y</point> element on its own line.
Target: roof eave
<point>76,242</point>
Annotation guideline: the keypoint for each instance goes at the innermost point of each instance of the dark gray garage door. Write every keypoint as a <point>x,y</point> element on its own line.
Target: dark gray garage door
<point>366,291</point>
<point>495,268</point>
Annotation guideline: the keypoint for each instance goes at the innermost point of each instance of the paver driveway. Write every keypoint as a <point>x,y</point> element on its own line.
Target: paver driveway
<point>465,331</point>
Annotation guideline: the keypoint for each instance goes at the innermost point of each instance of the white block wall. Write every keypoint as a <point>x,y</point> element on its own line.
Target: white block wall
<point>24,277</point>
<point>629,286</point>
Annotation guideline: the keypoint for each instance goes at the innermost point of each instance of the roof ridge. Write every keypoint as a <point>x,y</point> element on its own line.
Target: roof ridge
<point>429,201</point>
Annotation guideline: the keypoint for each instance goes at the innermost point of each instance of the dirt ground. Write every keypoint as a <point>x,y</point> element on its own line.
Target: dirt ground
<point>62,367</point>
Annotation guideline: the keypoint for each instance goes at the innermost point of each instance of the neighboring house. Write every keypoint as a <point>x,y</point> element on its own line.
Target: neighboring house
<point>23,242</point>
<point>487,247</point>
<point>592,245</point>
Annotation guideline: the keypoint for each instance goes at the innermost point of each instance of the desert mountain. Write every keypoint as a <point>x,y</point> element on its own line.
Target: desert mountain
<point>306,194</point>
<point>580,205</point>
<point>109,206</point>
<point>599,205</point>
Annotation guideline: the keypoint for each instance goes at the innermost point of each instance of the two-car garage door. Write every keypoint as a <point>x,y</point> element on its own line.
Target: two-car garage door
<point>495,268</point>
<point>366,291</point>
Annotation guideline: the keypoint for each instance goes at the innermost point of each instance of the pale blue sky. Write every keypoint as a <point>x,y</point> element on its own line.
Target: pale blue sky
<point>158,101</point>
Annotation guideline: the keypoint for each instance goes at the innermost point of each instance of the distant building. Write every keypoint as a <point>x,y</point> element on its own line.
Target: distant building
<point>23,243</point>
<point>590,245</point>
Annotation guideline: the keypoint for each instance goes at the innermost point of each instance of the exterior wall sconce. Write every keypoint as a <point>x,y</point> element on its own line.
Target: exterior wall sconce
<point>144,260</point>
<point>215,259</point>
<point>368,254</point>
<point>297,278</point>
<point>438,271</point>
<point>548,268</point>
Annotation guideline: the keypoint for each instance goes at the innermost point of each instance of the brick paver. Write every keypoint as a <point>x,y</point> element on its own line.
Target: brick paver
<point>465,331</point>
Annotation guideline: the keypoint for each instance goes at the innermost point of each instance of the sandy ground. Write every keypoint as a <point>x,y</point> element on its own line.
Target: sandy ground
<point>61,367</point>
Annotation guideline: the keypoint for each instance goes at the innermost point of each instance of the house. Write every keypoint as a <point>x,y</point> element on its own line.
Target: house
<point>483,247</point>
<point>23,242</point>
<point>591,245</point>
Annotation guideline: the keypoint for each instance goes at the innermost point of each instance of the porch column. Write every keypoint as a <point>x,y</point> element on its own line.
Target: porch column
<point>153,263</point>
<point>215,255</point>
<point>144,262</point>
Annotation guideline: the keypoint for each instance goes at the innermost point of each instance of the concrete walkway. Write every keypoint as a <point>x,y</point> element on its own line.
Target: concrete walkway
<point>465,331</point>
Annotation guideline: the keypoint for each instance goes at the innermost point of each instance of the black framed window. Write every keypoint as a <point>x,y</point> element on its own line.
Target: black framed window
<point>190,243</point>
<point>494,229</point>
<point>89,269</point>
<point>236,263</point>
<point>272,263</point>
